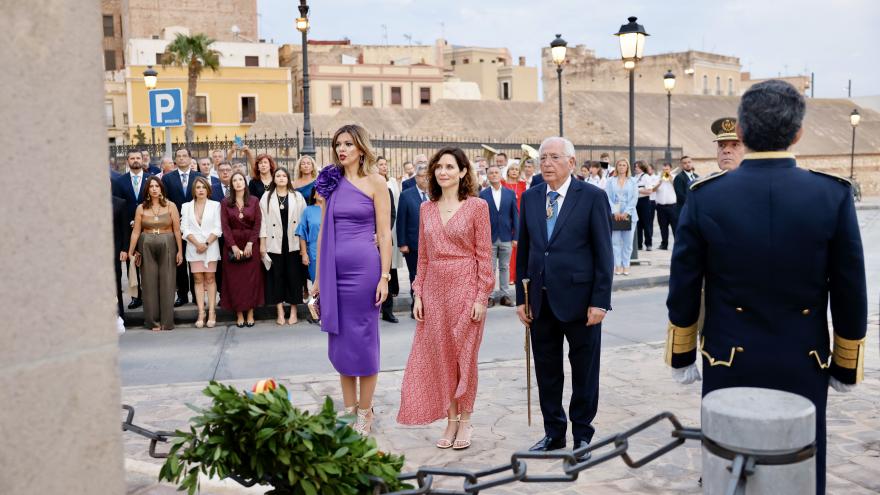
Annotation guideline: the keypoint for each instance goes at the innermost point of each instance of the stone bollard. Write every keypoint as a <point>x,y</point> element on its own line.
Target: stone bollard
<point>770,424</point>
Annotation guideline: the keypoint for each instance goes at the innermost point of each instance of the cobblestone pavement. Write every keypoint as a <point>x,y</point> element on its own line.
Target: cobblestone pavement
<point>634,385</point>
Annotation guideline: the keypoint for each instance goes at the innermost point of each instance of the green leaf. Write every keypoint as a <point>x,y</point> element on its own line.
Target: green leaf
<point>308,487</point>
<point>341,451</point>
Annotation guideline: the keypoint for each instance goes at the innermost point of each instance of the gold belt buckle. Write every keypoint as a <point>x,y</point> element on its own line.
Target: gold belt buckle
<point>156,231</point>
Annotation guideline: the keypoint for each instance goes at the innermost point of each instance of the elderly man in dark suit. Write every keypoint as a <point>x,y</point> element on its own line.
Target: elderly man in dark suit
<point>504,220</point>
<point>178,187</point>
<point>130,188</point>
<point>769,270</point>
<point>565,250</point>
<point>408,221</point>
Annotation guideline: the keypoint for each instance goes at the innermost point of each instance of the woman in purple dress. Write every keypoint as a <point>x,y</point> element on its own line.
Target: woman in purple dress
<point>352,274</point>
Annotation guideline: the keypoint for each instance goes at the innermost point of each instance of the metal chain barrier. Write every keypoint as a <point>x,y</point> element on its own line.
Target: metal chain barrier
<point>574,461</point>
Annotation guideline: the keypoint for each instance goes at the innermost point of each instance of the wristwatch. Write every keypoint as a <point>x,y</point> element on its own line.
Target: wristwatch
<point>386,276</point>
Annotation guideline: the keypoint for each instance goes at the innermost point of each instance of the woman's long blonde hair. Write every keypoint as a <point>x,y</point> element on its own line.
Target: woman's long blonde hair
<point>296,172</point>
<point>362,142</point>
<point>624,160</point>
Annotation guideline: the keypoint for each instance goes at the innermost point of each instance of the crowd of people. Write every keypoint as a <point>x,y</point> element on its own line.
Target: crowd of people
<point>464,227</point>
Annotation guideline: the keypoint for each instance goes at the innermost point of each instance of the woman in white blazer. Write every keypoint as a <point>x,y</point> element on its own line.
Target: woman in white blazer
<point>200,226</point>
<point>281,208</point>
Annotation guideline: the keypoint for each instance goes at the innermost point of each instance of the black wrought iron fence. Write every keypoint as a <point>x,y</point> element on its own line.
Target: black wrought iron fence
<point>285,148</point>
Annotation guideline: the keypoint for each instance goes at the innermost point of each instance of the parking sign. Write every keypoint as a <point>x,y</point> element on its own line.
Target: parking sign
<point>166,108</point>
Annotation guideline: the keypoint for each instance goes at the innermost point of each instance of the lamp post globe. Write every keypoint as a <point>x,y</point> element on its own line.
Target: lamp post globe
<point>632,40</point>
<point>302,24</point>
<point>151,77</point>
<point>558,48</point>
<point>854,117</point>
<point>669,81</point>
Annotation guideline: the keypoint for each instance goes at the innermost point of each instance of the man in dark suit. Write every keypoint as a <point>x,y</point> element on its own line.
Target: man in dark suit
<point>769,269</point>
<point>565,250</point>
<point>149,166</point>
<point>409,172</point>
<point>537,180</point>
<point>682,182</point>
<point>178,188</point>
<point>408,222</point>
<point>121,239</point>
<point>130,188</point>
<point>504,220</point>
<point>420,159</point>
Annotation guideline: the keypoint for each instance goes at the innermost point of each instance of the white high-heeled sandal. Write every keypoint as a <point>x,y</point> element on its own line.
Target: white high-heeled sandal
<point>364,423</point>
<point>446,443</point>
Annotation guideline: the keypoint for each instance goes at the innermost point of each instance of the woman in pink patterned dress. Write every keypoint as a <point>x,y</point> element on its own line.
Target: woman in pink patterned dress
<point>453,282</point>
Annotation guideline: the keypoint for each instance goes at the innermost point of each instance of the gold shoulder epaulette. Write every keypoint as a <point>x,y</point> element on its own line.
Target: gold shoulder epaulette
<point>842,180</point>
<point>699,182</point>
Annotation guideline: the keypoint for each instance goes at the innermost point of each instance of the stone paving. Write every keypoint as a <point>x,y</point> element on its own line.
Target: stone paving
<point>634,386</point>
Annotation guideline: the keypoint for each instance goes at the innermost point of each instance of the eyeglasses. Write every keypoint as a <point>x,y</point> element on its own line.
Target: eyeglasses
<point>552,157</point>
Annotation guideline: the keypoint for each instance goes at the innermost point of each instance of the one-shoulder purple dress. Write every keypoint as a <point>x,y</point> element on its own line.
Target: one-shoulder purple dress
<point>350,268</point>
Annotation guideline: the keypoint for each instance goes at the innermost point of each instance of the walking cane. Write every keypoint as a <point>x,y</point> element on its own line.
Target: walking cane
<point>528,348</point>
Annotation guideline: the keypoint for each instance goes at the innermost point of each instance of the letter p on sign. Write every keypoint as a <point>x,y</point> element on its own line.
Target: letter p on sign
<point>166,108</point>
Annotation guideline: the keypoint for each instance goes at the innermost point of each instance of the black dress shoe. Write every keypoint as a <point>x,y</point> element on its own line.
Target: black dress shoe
<point>239,325</point>
<point>491,303</point>
<point>179,302</point>
<point>389,317</point>
<point>663,247</point>
<point>547,444</point>
<point>579,444</point>
<point>135,303</point>
<point>648,248</point>
<point>505,301</point>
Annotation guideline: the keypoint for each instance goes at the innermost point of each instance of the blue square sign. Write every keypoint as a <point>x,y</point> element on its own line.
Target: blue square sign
<point>166,108</point>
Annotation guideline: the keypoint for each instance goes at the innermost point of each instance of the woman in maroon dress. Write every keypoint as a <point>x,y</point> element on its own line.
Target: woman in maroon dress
<point>242,275</point>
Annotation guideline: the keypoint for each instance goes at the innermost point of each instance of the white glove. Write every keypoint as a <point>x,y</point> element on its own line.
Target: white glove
<point>840,386</point>
<point>686,375</point>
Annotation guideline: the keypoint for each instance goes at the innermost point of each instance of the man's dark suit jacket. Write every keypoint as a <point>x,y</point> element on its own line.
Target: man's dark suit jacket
<point>408,184</point>
<point>121,227</point>
<point>408,219</point>
<point>217,189</point>
<point>121,188</point>
<point>575,264</point>
<point>537,180</point>
<point>680,183</point>
<point>174,189</point>
<point>506,221</point>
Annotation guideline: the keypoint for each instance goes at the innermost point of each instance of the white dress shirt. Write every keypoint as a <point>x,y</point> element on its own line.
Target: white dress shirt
<point>654,180</point>
<point>496,196</point>
<point>596,180</point>
<point>666,192</point>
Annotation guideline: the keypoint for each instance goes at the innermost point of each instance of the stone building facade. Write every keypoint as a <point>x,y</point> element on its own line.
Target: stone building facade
<point>148,18</point>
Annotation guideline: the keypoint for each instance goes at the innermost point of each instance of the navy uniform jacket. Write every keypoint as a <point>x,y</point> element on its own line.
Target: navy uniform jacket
<point>505,222</point>
<point>575,263</point>
<point>774,243</point>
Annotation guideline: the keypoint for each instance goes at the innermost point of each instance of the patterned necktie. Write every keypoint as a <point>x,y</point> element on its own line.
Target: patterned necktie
<point>183,179</point>
<point>135,183</point>
<point>552,212</point>
<point>225,191</point>
<point>424,198</point>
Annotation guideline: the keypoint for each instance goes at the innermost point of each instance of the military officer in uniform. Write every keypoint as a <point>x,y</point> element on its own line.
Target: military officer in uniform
<point>730,149</point>
<point>769,270</point>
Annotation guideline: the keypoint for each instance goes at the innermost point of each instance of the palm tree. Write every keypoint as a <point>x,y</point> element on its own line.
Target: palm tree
<point>195,53</point>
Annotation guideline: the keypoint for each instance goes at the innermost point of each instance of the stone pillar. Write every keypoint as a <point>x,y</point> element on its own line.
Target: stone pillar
<point>60,417</point>
<point>759,421</point>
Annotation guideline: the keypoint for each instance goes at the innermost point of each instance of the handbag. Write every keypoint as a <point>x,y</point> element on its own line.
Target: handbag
<point>314,306</point>
<point>233,259</point>
<point>621,224</point>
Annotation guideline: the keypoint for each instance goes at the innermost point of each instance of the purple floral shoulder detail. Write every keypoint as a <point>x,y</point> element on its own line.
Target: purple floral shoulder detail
<point>327,181</point>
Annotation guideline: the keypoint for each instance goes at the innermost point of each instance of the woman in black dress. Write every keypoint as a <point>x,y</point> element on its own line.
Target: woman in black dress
<point>282,207</point>
<point>261,175</point>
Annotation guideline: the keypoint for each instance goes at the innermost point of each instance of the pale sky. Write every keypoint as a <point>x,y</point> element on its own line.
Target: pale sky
<point>836,39</point>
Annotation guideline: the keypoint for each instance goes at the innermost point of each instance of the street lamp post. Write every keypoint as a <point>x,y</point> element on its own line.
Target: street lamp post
<point>557,51</point>
<point>632,47</point>
<point>854,119</point>
<point>151,78</point>
<point>302,25</point>
<point>669,84</point>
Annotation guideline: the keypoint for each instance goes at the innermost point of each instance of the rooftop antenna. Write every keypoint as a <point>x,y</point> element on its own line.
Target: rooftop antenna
<point>408,38</point>
<point>385,33</point>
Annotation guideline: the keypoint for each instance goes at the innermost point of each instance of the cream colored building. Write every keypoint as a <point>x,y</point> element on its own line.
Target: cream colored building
<point>696,73</point>
<point>116,107</point>
<point>492,70</point>
<point>802,83</point>
<point>337,86</point>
